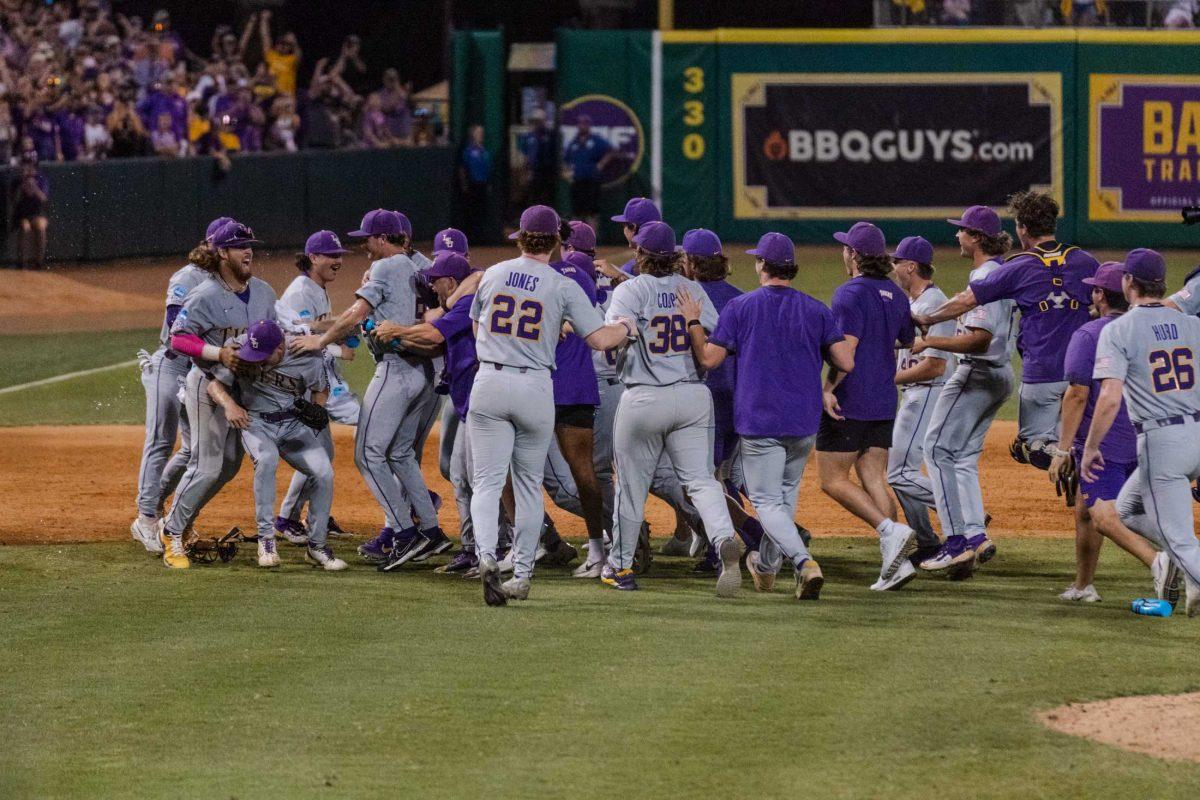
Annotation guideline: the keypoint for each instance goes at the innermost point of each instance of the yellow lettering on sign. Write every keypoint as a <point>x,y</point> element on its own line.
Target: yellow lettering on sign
<point>1149,162</point>
<point>1185,170</point>
<point>693,113</point>
<point>1156,127</point>
<point>693,80</point>
<point>1189,129</point>
<point>693,146</point>
<point>1167,169</point>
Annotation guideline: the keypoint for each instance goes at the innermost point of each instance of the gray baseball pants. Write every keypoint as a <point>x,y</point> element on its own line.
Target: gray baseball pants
<point>773,467</point>
<point>911,486</point>
<point>1039,411</point>
<point>303,450</point>
<point>161,378</point>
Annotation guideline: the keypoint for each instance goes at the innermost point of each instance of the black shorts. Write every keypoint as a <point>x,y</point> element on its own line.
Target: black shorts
<point>585,197</point>
<point>576,415</point>
<point>853,435</point>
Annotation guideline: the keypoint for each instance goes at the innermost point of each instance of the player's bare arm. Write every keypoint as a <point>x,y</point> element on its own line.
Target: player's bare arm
<point>975,340</point>
<point>956,306</point>
<point>468,286</point>
<point>840,356</point>
<point>1107,406</point>
<point>234,413</point>
<point>342,327</point>
<point>611,336</point>
<point>422,338</point>
<point>927,369</point>
<point>608,270</point>
<point>834,379</point>
<point>1073,404</point>
<point>320,398</point>
<point>708,356</point>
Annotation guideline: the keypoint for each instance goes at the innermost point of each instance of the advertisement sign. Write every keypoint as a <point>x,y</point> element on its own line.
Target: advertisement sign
<point>613,121</point>
<point>894,145</point>
<point>1143,146</point>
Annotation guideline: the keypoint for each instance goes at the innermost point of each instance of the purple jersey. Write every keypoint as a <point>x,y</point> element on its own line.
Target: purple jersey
<point>574,374</point>
<point>1046,282</point>
<point>720,380</point>
<point>1120,445</point>
<point>779,336</point>
<point>876,312</point>
<point>456,328</point>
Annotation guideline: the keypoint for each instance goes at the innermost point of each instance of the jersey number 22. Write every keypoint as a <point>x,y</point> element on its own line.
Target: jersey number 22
<point>527,313</point>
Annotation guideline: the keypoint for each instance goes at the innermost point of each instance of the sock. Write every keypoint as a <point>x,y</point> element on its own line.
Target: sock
<point>595,550</point>
<point>884,527</point>
<point>149,520</point>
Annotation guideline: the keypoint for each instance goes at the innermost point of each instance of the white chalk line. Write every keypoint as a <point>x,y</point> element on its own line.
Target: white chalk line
<point>66,376</point>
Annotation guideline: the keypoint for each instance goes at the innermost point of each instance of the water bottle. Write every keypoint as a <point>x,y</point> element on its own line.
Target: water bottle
<point>368,325</point>
<point>1151,607</point>
<point>351,342</point>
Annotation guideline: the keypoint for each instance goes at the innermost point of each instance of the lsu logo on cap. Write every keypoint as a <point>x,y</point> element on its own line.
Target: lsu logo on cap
<point>448,240</point>
<point>336,241</point>
<point>253,343</point>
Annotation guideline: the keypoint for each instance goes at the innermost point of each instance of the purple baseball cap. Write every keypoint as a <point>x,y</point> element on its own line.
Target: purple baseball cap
<point>639,211</point>
<point>1108,276</point>
<point>914,248</point>
<point>656,238</point>
<point>324,243</point>
<point>451,240</point>
<point>1145,265</point>
<point>979,218</point>
<point>215,226</point>
<point>262,339</point>
<point>233,234</point>
<point>448,264</point>
<point>701,242</point>
<point>865,238</point>
<point>582,236</point>
<point>405,224</point>
<point>379,222</point>
<point>582,262</point>
<point>776,248</point>
<point>538,219</point>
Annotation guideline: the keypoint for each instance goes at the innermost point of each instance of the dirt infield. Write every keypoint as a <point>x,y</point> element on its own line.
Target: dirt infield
<point>1163,726</point>
<point>75,484</point>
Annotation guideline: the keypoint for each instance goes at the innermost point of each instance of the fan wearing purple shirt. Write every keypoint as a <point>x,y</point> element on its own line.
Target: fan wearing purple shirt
<point>860,407</point>
<point>781,338</point>
<point>1097,514</point>
<point>1046,282</point>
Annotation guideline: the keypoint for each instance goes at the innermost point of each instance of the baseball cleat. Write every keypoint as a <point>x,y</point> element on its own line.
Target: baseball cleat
<point>1087,594</point>
<point>146,534</point>
<point>809,580</point>
<point>516,588</point>
<point>985,548</point>
<point>560,554</point>
<point>174,556</point>
<point>729,572</point>
<point>618,579</point>
<point>376,550</point>
<point>963,571</point>
<point>463,560</point>
<point>895,546</point>
<point>337,530</point>
<point>643,554</point>
<point>506,564</point>
<point>408,543</point>
<point>763,581</point>
<point>432,542</point>
<point>590,569</point>
<point>904,573</point>
<point>1166,578</point>
<point>291,530</point>
<point>489,572</point>
<point>709,564</point>
<point>675,547</point>
<point>324,558</point>
<point>954,551</point>
<point>698,545</point>
<point>1192,591</point>
<point>268,554</point>
<point>435,499</point>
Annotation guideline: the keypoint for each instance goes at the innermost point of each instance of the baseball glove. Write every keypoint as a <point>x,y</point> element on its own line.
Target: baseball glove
<point>1067,483</point>
<point>208,550</point>
<point>1019,451</point>
<point>311,414</point>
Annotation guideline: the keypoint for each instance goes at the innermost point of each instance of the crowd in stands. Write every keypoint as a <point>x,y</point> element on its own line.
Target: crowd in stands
<point>80,82</point>
<point>1125,13</point>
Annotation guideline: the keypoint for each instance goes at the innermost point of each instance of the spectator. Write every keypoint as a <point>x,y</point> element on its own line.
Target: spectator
<point>282,58</point>
<point>540,173</point>
<point>394,101</point>
<point>8,135</point>
<point>375,130</point>
<point>29,196</point>
<point>1083,13</point>
<point>586,156</point>
<point>164,141</point>
<point>1181,15</point>
<point>96,139</point>
<point>70,128</point>
<point>129,139</point>
<point>44,131</point>
<point>285,125</point>
<point>956,12</point>
<point>474,177</point>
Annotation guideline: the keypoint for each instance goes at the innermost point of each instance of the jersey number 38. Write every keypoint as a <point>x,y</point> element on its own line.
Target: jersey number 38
<point>1172,370</point>
<point>670,335</point>
<point>523,317</point>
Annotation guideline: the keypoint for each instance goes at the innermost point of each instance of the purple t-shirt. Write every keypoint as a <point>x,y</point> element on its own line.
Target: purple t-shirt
<point>1120,445</point>
<point>720,380</point>
<point>461,364</point>
<point>1053,301</point>
<point>574,373</point>
<point>779,335</point>
<point>876,312</point>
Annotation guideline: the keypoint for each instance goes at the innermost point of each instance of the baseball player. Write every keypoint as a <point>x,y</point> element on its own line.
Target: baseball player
<point>163,374</point>
<point>920,378</point>
<point>780,336</point>
<point>217,310</point>
<point>519,309</point>
<point>305,306</point>
<point>665,408</point>
<point>1148,356</point>
<point>1097,513</point>
<point>1046,282</point>
<point>396,401</point>
<point>638,211</point>
<point>272,428</point>
<point>860,407</point>
<point>448,240</point>
<point>968,402</point>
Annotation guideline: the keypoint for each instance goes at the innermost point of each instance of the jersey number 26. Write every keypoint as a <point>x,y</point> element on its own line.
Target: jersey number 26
<point>528,314</point>
<point>1172,370</point>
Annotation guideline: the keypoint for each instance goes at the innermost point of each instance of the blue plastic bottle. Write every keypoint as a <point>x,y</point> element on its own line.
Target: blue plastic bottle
<point>1151,607</point>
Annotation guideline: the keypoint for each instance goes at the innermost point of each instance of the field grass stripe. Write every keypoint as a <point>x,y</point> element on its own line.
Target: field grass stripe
<point>66,376</point>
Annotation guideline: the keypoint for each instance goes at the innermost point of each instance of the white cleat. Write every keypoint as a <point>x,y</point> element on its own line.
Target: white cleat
<point>268,555</point>
<point>729,573</point>
<point>506,564</point>
<point>516,588</point>
<point>899,578</point>
<point>590,569</point>
<point>145,533</point>
<point>895,546</point>
<point>1087,594</point>
<point>1166,578</point>
<point>698,546</point>
<point>324,558</point>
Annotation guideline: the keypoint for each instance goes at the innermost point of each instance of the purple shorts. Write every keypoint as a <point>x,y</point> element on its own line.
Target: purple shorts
<point>1108,485</point>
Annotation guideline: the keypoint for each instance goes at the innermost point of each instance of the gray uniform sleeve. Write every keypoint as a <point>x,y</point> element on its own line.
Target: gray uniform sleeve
<point>1188,298</point>
<point>984,318</point>
<point>195,316</point>
<point>378,286</point>
<point>584,317</point>
<point>626,303</point>
<point>1112,361</point>
<point>945,328</point>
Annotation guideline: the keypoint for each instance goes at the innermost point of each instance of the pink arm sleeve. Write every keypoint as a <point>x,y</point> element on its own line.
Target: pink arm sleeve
<point>188,344</point>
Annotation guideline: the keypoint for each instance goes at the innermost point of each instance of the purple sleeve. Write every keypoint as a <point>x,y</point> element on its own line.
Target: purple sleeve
<point>1001,284</point>
<point>831,332</point>
<point>1081,358</point>
<point>908,330</point>
<point>457,319</point>
<point>847,313</point>
<point>726,334</point>
<point>172,313</point>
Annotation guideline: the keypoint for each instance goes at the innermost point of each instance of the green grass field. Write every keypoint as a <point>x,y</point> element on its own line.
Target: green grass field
<point>125,680</point>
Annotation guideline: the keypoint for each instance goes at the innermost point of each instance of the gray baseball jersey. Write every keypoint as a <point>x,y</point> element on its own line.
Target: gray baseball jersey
<point>520,307</point>
<point>421,260</point>
<point>216,315</point>
<point>303,302</point>
<point>267,390</point>
<point>182,282</point>
<point>391,289</point>
<point>929,300</point>
<point>662,353</point>
<point>1154,350</point>
<point>996,318</point>
<point>605,361</point>
<point>1188,298</point>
